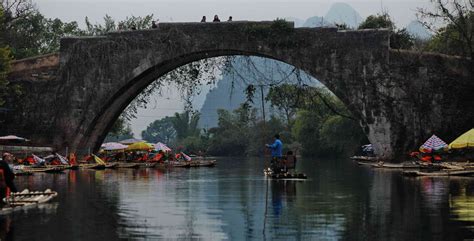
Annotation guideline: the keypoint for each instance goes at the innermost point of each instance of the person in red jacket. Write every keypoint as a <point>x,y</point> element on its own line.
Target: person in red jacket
<point>6,176</point>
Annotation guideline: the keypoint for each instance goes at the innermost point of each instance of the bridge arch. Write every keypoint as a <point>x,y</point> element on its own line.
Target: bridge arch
<point>104,120</point>
<point>97,77</point>
<point>122,64</point>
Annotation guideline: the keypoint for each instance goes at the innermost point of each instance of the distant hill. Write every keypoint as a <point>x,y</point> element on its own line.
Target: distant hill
<point>229,92</point>
<point>315,22</point>
<point>416,29</point>
<point>343,13</point>
<point>298,22</point>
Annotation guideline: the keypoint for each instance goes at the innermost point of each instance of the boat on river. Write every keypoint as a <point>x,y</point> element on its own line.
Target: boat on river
<point>364,158</point>
<point>127,165</point>
<point>284,175</point>
<point>46,169</point>
<point>441,173</point>
<point>202,163</point>
<point>26,199</point>
<point>95,166</point>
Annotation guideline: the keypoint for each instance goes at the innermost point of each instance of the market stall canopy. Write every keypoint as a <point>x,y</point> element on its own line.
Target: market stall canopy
<point>160,146</point>
<point>140,146</point>
<point>13,138</point>
<point>113,146</point>
<point>464,141</point>
<point>130,141</point>
<point>433,144</point>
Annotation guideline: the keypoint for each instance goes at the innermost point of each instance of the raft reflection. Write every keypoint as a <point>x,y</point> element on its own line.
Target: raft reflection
<point>340,201</point>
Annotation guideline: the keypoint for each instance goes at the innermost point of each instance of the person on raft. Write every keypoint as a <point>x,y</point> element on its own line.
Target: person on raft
<point>6,176</point>
<point>277,149</point>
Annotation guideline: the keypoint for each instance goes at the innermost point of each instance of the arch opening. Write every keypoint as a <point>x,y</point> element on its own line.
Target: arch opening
<point>119,101</point>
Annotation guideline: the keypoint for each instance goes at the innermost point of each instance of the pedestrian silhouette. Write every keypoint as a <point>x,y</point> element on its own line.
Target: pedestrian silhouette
<point>230,19</point>
<point>203,19</point>
<point>216,19</point>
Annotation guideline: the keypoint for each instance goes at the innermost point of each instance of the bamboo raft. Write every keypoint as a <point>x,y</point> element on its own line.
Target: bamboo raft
<point>26,199</point>
<point>147,164</point>
<point>111,165</point>
<point>71,167</point>
<point>396,165</point>
<point>284,176</point>
<point>43,169</point>
<point>127,165</point>
<point>364,158</point>
<point>92,166</point>
<point>202,163</point>
<point>22,173</point>
<point>442,173</point>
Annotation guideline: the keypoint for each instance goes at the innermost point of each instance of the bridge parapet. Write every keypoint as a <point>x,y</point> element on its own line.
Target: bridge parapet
<point>39,68</point>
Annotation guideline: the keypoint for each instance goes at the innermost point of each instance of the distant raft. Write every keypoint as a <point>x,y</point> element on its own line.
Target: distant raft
<point>285,175</point>
<point>26,199</point>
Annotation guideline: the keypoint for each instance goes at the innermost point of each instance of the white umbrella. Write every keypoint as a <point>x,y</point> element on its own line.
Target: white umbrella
<point>12,138</point>
<point>113,146</point>
<point>130,141</point>
<point>160,146</point>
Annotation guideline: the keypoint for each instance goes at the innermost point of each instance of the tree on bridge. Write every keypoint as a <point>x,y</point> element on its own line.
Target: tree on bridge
<point>455,36</point>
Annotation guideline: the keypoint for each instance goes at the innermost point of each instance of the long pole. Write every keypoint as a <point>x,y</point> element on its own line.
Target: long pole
<point>265,162</point>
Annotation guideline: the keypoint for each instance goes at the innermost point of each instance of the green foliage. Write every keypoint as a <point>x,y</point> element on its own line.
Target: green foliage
<point>400,38</point>
<point>450,39</point>
<point>186,124</point>
<point>4,69</point>
<point>286,98</point>
<point>111,25</point>
<point>377,21</point>
<point>160,130</point>
<point>455,36</point>
<point>341,135</point>
<point>120,130</point>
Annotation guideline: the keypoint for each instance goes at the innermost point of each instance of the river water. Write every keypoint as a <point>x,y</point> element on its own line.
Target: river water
<point>233,201</point>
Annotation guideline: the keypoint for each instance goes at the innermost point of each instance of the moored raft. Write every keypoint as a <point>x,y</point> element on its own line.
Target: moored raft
<point>95,166</point>
<point>22,173</point>
<point>43,169</point>
<point>202,163</point>
<point>405,165</point>
<point>285,175</point>
<point>111,165</point>
<point>25,199</point>
<point>466,172</point>
<point>364,158</point>
<point>127,165</point>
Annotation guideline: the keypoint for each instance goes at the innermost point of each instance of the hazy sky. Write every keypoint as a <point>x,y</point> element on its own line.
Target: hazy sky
<point>402,13</point>
<point>183,11</point>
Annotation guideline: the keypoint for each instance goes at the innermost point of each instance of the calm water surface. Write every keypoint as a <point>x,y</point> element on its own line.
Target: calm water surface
<point>340,201</point>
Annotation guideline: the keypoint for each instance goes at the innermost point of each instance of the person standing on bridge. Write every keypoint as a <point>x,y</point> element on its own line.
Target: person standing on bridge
<point>203,19</point>
<point>230,19</point>
<point>277,149</point>
<point>153,24</point>
<point>216,19</point>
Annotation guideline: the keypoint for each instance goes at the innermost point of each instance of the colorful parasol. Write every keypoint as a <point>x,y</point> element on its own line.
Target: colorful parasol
<point>161,147</point>
<point>140,146</point>
<point>464,141</point>
<point>434,143</point>
<point>113,146</point>
<point>130,141</point>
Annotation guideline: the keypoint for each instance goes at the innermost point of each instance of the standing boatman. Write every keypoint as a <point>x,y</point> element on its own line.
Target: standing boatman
<point>277,149</point>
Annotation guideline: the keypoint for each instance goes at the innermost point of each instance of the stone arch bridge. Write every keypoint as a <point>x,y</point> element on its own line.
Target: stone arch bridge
<point>71,99</point>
